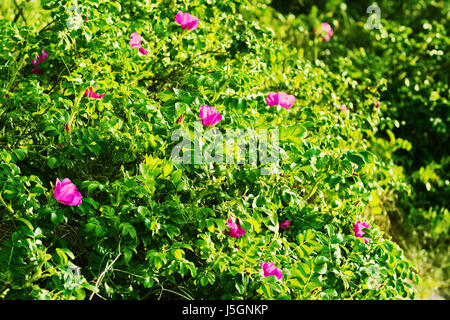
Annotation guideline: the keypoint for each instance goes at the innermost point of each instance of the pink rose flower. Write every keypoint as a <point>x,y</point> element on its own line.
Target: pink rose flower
<point>135,42</point>
<point>66,193</point>
<point>343,107</point>
<point>269,269</point>
<point>91,94</point>
<point>235,229</point>
<point>186,21</point>
<point>209,115</point>
<point>325,30</point>
<point>40,58</point>
<point>136,39</point>
<point>282,99</point>
<point>358,228</point>
<point>285,224</point>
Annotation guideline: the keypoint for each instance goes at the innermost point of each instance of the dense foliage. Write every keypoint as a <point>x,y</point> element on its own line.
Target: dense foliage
<point>405,58</point>
<point>149,228</point>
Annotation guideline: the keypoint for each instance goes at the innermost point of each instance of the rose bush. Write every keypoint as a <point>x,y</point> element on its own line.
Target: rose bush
<point>402,63</point>
<point>149,228</point>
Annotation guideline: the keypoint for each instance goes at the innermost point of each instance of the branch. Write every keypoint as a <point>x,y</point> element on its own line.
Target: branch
<point>108,266</point>
<point>46,26</point>
<point>20,13</point>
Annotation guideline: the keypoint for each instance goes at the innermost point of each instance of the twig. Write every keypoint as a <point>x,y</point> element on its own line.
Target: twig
<point>100,278</point>
<point>174,292</point>
<point>46,26</point>
<point>20,13</point>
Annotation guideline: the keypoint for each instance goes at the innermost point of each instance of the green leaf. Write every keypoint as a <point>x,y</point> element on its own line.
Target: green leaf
<point>53,163</point>
<point>127,255</point>
<point>167,168</point>
<point>21,154</point>
<point>356,158</point>
<point>26,222</point>
<point>312,153</point>
<point>240,288</point>
<point>203,281</point>
<point>128,229</point>
<point>92,186</point>
<point>63,260</point>
<point>304,272</point>
<point>192,269</point>
<point>68,252</point>
<point>210,225</point>
<point>57,217</point>
<point>148,282</point>
<point>320,268</point>
<point>94,147</point>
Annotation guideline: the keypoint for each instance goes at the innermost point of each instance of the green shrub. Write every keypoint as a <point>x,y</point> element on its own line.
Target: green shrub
<point>403,63</point>
<point>150,228</point>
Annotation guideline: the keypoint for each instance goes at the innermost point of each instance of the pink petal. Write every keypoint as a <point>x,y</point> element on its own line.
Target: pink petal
<point>186,21</point>
<point>178,17</point>
<point>279,274</point>
<point>192,25</point>
<point>209,115</point>
<point>270,269</point>
<point>44,55</point>
<point>66,193</point>
<point>94,95</point>
<point>136,40</point>
<point>285,224</point>
<point>235,230</point>
<point>286,101</point>
<point>358,229</point>
<point>76,199</point>
<point>272,99</point>
<point>89,92</point>
<point>327,28</point>
<point>143,51</point>
<point>57,187</point>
